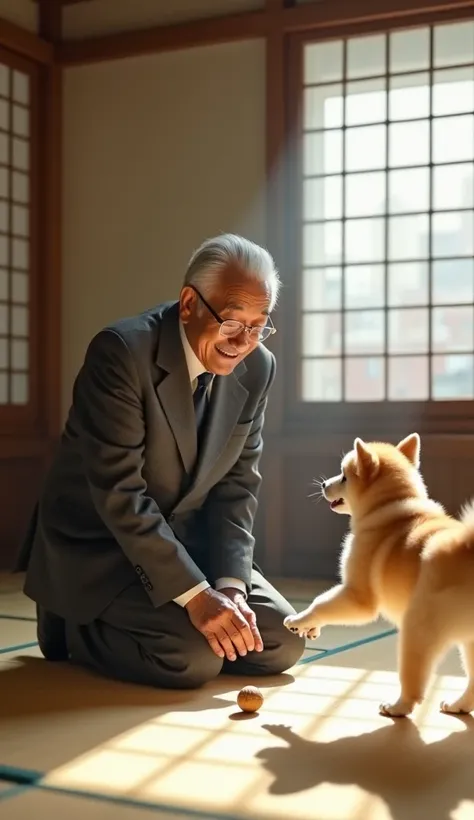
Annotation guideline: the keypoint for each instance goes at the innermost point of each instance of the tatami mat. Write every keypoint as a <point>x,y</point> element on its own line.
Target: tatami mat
<point>317,750</point>
<point>44,805</point>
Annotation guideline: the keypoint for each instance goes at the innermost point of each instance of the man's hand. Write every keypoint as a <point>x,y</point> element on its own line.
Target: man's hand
<point>238,599</point>
<point>222,623</point>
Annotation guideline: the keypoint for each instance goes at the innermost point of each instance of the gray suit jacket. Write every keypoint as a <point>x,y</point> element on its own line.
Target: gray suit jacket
<point>128,495</point>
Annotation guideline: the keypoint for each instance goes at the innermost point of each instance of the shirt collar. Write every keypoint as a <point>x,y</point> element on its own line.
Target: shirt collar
<point>195,367</point>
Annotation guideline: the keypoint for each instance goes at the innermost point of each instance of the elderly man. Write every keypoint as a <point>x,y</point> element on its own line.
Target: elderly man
<point>140,552</point>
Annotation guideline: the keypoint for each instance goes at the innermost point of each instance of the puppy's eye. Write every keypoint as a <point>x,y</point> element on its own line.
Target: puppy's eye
<point>343,479</point>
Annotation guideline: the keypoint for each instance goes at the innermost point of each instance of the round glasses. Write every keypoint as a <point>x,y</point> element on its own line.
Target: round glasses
<point>230,328</point>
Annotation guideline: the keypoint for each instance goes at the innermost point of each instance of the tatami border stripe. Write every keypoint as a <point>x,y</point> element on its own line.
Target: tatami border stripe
<point>325,653</point>
<point>17,648</point>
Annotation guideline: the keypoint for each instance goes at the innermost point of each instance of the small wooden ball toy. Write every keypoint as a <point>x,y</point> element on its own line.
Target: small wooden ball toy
<point>250,699</point>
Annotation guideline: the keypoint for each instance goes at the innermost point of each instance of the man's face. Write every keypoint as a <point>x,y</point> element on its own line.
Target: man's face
<point>237,298</point>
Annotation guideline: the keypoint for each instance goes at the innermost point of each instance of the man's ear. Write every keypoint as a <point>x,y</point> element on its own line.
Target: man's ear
<point>187,300</point>
<point>367,462</point>
<point>410,447</point>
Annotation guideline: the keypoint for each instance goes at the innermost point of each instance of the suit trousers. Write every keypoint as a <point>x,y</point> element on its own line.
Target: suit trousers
<point>136,642</point>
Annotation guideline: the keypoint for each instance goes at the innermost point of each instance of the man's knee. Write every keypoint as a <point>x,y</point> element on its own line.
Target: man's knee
<point>200,665</point>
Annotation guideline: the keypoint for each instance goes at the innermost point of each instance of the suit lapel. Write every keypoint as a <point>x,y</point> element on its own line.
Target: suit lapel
<point>227,400</point>
<point>174,391</point>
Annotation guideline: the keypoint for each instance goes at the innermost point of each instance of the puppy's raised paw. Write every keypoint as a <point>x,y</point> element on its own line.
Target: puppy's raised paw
<point>302,625</point>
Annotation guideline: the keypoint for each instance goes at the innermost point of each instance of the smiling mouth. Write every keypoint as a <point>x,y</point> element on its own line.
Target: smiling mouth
<point>227,355</point>
<point>336,503</point>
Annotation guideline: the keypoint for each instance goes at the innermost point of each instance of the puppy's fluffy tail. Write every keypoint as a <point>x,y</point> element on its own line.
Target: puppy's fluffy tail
<point>467,516</point>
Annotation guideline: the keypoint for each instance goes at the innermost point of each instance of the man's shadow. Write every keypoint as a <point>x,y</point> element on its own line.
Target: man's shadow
<point>415,780</point>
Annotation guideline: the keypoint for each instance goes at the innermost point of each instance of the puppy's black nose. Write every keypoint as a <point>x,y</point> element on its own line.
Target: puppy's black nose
<point>323,485</point>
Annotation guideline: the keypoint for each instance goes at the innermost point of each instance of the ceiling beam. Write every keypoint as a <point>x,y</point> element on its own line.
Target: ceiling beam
<point>277,18</point>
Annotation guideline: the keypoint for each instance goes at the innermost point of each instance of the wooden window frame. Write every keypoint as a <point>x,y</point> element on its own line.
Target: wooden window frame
<point>367,418</point>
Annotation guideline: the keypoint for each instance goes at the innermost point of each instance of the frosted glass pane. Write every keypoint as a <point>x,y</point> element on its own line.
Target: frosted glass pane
<point>366,102</point>
<point>19,388</point>
<point>4,115</point>
<point>365,378</point>
<point>453,329</point>
<point>364,331</point>
<point>408,378</point>
<point>408,284</point>
<point>323,107</point>
<point>4,149</point>
<point>21,187</point>
<point>321,334</point>
<point>20,287</point>
<point>323,62</point>
<point>3,251</point>
<point>452,377</point>
<point>322,198</point>
<point>409,97</point>
<point>322,289</point>
<point>19,321</point>
<point>408,237</point>
<point>20,221</point>
<point>364,286</point>
<point>453,91</point>
<point>3,320</point>
<point>20,154</point>
<point>3,285</point>
<point>4,354</point>
<point>19,354</point>
<point>409,144</point>
<point>322,244</point>
<point>365,240</point>
<point>321,380</point>
<point>366,56</point>
<point>3,217</point>
<point>21,121</point>
<point>408,330</point>
<point>454,44</point>
<point>3,388</point>
<point>410,50</point>
<point>365,148</point>
<point>4,80</point>
<point>453,186</point>
<point>409,190</point>
<point>453,139</point>
<point>365,194</point>
<point>21,87</point>
<point>4,182</point>
<point>322,153</point>
<point>452,234</point>
<point>453,281</point>
<point>20,254</point>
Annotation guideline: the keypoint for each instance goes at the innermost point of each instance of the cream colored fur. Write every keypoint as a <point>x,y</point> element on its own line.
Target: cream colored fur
<point>405,559</point>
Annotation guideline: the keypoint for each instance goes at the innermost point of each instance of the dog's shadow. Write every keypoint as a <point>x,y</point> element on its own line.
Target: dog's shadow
<point>415,780</point>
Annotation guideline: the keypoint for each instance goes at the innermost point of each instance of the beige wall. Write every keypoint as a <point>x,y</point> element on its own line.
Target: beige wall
<point>109,16</point>
<point>159,153</point>
<point>21,12</point>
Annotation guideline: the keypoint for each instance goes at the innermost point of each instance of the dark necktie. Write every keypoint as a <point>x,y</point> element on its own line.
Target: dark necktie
<point>200,398</point>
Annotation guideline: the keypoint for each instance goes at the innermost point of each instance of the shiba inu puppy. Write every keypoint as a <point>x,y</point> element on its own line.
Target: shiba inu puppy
<point>405,559</point>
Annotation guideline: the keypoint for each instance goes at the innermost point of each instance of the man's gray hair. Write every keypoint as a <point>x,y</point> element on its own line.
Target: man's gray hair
<point>216,254</point>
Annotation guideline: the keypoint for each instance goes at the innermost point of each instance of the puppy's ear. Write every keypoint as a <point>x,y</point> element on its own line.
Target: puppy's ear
<point>367,461</point>
<point>410,447</point>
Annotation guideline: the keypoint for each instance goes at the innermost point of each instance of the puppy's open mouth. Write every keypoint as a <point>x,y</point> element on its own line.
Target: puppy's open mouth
<point>336,503</point>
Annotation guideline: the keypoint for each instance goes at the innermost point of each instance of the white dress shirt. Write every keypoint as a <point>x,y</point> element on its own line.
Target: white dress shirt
<point>195,369</point>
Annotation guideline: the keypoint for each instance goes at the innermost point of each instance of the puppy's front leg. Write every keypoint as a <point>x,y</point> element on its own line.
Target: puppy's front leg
<point>340,605</point>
